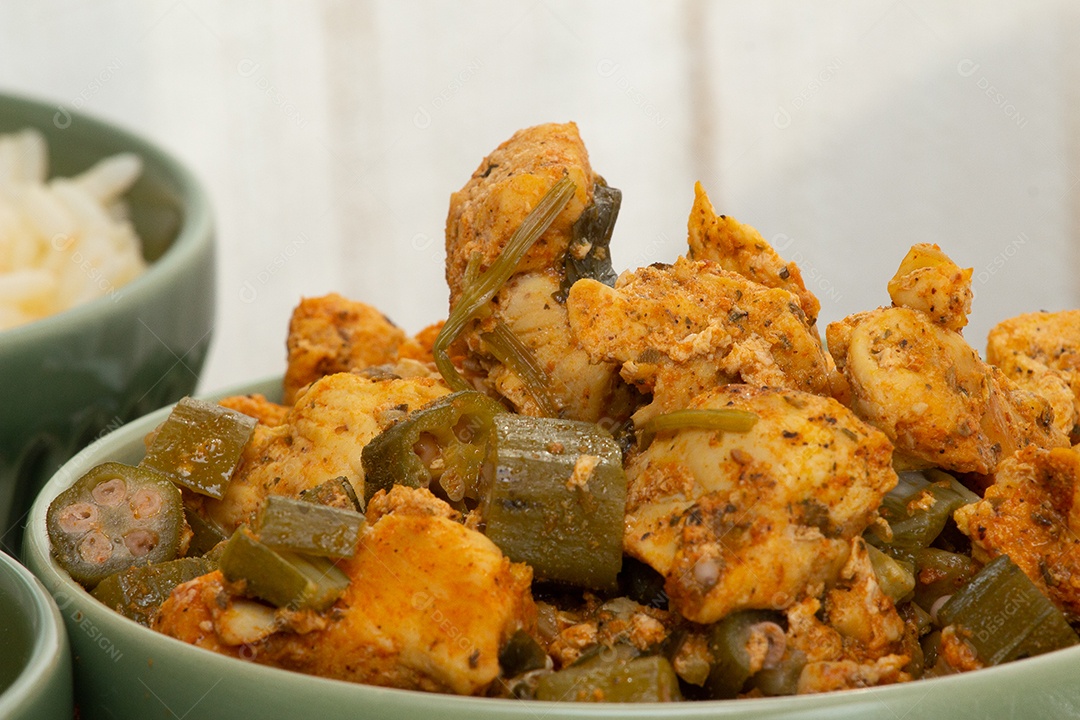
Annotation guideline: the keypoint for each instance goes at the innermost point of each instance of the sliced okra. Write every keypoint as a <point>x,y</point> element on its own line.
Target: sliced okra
<point>288,524</point>
<point>199,445</point>
<point>282,578</point>
<point>113,517</point>
<point>138,592</point>
<point>556,499</point>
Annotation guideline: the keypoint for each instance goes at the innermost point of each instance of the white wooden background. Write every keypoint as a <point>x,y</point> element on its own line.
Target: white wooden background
<point>330,134</point>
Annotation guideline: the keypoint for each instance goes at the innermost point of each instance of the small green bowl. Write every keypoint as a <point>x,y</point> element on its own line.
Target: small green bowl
<point>35,663</point>
<point>67,379</point>
<point>124,670</point>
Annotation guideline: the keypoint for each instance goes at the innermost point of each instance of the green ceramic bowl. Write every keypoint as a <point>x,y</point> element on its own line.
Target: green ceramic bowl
<point>66,379</point>
<point>123,670</point>
<point>35,663</point>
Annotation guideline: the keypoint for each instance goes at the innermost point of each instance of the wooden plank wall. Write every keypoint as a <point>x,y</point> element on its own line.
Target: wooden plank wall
<point>330,134</point>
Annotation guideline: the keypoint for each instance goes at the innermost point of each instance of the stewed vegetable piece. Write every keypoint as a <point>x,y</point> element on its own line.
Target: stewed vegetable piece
<point>741,644</point>
<point>282,578</point>
<point>305,527</point>
<point>1004,616</point>
<point>613,675</point>
<point>199,445</point>
<point>113,517</point>
<point>442,446</point>
<point>337,493</point>
<point>556,498</point>
<point>137,592</point>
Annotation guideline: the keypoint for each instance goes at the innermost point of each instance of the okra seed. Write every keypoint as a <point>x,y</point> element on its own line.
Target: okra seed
<point>140,542</point>
<point>110,493</point>
<point>95,548</point>
<point>78,517</point>
<point>145,503</point>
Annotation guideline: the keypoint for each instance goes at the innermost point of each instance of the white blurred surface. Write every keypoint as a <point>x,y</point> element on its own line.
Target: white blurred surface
<point>331,134</point>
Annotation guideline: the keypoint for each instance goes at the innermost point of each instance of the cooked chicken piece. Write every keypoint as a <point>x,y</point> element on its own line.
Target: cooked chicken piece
<point>330,334</point>
<point>740,249</point>
<point>1041,353</point>
<point>1032,514</point>
<point>928,281</point>
<point>836,660</point>
<point>927,389</point>
<point>429,606</point>
<point>955,653</point>
<point>750,520</point>
<point>849,674</point>
<point>321,439</point>
<point>419,346</point>
<point>407,501</point>
<point>257,406</point>
<point>615,622</point>
<point>509,183</point>
<point>583,390</point>
<point>681,329</point>
<point>859,609</point>
<point>483,216</point>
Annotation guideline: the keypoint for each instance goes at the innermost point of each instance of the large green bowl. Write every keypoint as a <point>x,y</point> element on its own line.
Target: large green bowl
<point>66,379</point>
<point>35,663</point>
<point>123,670</point>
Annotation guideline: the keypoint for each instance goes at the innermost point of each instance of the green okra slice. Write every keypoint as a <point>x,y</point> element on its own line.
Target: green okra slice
<point>1004,616</point>
<point>199,445</point>
<point>589,253</point>
<point>917,509</point>
<point>896,578</point>
<point>940,574</point>
<point>282,578</point>
<point>521,654</point>
<point>728,642</point>
<point>556,498</point>
<point>205,533</point>
<point>113,517</point>
<point>138,592</point>
<point>288,524</point>
<point>440,446</point>
<point>782,678</point>
<point>337,493</point>
<point>613,679</point>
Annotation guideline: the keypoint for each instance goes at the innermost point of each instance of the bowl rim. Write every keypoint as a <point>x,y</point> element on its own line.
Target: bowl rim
<point>47,653</point>
<point>194,236</point>
<point>35,548</point>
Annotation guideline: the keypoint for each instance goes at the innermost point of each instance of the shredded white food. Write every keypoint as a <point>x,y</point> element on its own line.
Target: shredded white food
<point>63,241</point>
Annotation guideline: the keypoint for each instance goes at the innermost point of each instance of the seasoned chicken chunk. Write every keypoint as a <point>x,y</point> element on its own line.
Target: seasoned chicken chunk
<point>320,439</point>
<point>521,346</point>
<point>583,389</point>
<point>429,605</point>
<point>1041,353</point>
<point>752,520</point>
<point>855,639</point>
<point>741,249</point>
<point>257,406</point>
<point>330,334</point>
<point>1032,514</point>
<point>928,281</point>
<point>678,330</point>
<point>927,389</point>
<point>509,183</point>
<point>858,608</point>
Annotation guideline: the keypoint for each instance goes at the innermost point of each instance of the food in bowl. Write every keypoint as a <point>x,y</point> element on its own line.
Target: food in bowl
<point>645,488</point>
<point>63,241</point>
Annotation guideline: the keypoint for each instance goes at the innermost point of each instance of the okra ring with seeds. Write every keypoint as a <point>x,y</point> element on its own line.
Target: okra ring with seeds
<point>114,517</point>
